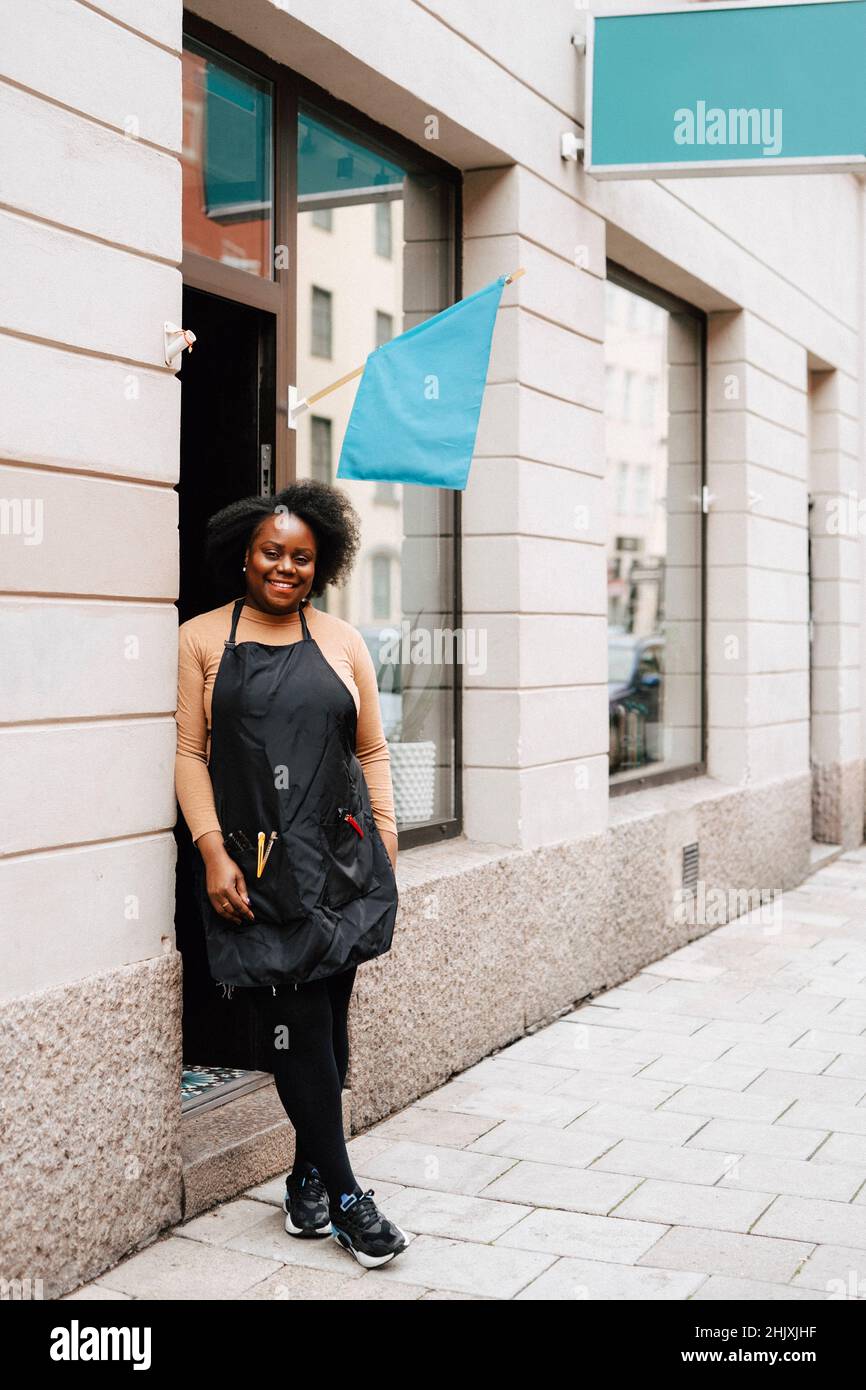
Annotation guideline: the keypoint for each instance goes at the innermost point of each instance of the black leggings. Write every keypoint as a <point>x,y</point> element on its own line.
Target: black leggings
<point>307,1036</point>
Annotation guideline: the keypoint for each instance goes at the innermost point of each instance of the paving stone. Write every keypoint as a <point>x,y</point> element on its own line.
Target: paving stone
<point>624,1122</point>
<point>839,1270</point>
<point>690,1204</point>
<point>836,1090</point>
<point>825,1223</point>
<point>569,1189</point>
<point>675,1163</point>
<point>93,1293</point>
<point>813,1114</point>
<point>745,1136</point>
<point>843,1148</point>
<point>848,1065</point>
<point>592,1280</point>
<point>562,1146</point>
<point>623,1090</point>
<point>455,1215</point>
<point>728,1252</point>
<point>523,1076</point>
<point>448,1127</point>
<point>696,1046</point>
<point>493,1271</point>
<point>635,1018</point>
<point>799,1059</point>
<point>583,1236</point>
<point>721,1288</point>
<point>612,1061</point>
<point>725,1105</point>
<point>451,1294</point>
<point>437,1167</point>
<point>721,1074</point>
<point>300,1282</point>
<point>828,1041</point>
<point>176,1268</point>
<point>832,1181</point>
<point>223,1222</point>
<point>269,1240</point>
<point>506,1102</point>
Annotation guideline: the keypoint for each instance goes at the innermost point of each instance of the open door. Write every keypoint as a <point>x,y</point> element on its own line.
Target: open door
<point>228,421</point>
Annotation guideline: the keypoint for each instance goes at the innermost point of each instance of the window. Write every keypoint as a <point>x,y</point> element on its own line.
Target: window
<point>324,218</point>
<point>401,594</point>
<point>655,344</point>
<point>227,161</point>
<point>320,448</point>
<point>382,587</point>
<point>320,336</point>
<point>384,327</point>
<point>384,240</point>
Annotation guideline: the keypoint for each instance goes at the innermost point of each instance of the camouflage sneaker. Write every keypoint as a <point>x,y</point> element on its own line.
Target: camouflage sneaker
<point>306,1205</point>
<point>359,1226</point>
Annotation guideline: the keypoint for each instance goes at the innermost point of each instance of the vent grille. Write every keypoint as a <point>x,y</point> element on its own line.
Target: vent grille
<point>690,868</point>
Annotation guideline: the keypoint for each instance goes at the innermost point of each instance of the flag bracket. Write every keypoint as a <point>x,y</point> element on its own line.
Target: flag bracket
<point>298,404</point>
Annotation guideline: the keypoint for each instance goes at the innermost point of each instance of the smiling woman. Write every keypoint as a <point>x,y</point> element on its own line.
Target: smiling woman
<point>296,784</point>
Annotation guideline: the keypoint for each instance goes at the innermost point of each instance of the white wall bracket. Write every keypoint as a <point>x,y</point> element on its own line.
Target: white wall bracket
<point>571,146</point>
<point>177,341</point>
<point>297,406</point>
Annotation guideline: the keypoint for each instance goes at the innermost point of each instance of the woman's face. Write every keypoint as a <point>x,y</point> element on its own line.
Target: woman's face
<point>281,564</point>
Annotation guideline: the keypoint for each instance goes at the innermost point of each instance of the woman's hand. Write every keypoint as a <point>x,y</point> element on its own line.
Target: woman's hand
<point>226,886</point>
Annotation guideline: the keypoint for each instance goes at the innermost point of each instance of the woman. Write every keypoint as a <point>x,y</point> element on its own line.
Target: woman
<point>283,777</point>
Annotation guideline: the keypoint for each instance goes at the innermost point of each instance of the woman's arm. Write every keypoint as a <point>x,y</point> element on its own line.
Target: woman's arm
<point>191,777</point>
<point>371,748</point>
<point>194,788</point>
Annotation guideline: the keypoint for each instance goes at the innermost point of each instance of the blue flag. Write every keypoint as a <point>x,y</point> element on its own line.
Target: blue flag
<point>415,415</point>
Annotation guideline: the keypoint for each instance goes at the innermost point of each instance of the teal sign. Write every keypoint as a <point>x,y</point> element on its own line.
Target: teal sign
<point>727,89</point>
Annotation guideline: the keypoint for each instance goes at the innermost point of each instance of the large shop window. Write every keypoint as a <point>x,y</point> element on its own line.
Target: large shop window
<point>298,205</point>
<point>654,416</point>
<point>386,262</point>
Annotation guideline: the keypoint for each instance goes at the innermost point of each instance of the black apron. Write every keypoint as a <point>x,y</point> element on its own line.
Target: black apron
<point>283,729</point>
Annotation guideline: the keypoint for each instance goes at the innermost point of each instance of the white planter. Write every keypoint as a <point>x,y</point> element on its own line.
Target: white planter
<point>413,772</point>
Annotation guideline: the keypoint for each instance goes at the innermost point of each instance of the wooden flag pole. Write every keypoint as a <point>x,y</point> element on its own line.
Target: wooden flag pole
<point>298,406</point>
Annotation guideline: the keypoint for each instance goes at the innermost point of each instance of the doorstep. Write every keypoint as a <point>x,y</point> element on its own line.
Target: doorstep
<point>821,854</point>
<point>243,1140</point>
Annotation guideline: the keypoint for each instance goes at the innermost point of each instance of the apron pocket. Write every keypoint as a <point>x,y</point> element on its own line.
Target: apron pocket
<point>348,858</point>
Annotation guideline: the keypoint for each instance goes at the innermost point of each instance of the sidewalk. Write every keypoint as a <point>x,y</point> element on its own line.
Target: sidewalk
<point>697,1133</point>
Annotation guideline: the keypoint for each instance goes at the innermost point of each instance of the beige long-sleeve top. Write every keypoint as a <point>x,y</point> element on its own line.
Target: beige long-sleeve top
<point>200,648</point>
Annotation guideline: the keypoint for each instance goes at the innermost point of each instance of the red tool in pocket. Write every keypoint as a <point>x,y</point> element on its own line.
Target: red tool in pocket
<point>345,815</point>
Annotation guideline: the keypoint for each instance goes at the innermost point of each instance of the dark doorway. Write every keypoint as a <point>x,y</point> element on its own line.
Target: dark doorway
<point>228,421</point>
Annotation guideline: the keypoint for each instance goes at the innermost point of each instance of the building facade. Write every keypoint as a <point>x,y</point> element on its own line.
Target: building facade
<point>655,568</point>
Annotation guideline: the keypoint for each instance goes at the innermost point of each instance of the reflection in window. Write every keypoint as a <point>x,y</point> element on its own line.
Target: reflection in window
<point>382,587</point>
<point>653,405</point>
<point>384,240</point>
<point>320,337</point>
<point>320,449</point>
<point>384,327</point>
<point>402,586</point>
<point>227,161</point>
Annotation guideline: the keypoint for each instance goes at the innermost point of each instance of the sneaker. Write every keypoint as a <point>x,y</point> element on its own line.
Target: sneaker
<point>362,1229</point>
<point>306,1205</point>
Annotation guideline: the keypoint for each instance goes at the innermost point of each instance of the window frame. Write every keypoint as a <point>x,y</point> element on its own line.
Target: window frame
<point>645,289</point>
<point>279,296</point>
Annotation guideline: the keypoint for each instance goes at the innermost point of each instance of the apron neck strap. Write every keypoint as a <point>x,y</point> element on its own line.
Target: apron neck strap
<point>236,613</point>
